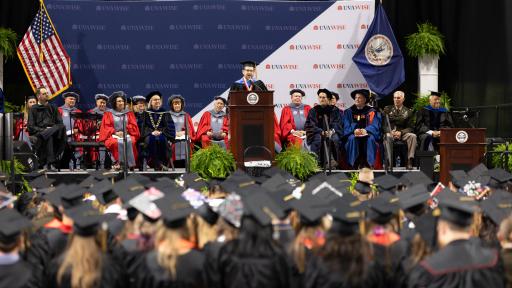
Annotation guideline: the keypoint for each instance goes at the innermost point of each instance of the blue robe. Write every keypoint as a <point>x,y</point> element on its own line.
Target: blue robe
<point>157,146</point>
<point>315,125</point>
<point>370,120</point>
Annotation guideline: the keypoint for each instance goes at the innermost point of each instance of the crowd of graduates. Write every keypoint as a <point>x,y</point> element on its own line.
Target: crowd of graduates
<point>267,231</point>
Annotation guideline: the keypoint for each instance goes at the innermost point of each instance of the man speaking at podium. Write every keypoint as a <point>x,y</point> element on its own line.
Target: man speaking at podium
<point>248,82</point>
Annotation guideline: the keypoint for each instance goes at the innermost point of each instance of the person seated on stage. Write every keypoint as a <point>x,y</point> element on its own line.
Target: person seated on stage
<point>324,124</point>
<point>248,82</point>
<point>139,107</point>
<point>20,128</point>
<point>114,122</point>
<point>45,123</point>
<point>402,125</point>
<point>101,104</point>
<point>293,118</point>
<point>180,117</point>
<point>73,128</point>
<point>158,132</point>
<point>214,125</point>
<point>429,120</point>
<point>361,124</point>
<point>91,129</point>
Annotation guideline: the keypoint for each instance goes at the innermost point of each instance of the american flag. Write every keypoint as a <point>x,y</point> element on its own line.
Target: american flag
<point>43,57</point>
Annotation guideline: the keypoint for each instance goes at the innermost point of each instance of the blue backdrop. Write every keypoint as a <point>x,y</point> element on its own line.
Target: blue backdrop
<point>188,47</point>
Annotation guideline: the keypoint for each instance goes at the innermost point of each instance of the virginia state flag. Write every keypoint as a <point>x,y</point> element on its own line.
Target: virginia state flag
<point>2,107</point>
<point>379,58</point>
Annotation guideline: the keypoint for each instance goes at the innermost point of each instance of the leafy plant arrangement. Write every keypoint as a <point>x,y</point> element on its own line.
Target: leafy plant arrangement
<point>7,42</point>
<point>427,41</point>
<point>498,158</point>
<point>213,162</point>
<point>354,176</point>
<point>422,101</point>
<point>5,167</point>
<point>9,107</point>
<point>301,164</point>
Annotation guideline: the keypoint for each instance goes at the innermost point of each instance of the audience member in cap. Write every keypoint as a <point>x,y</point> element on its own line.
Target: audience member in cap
<point>20,126</point>
<point>181,118</point>
<point>158,132</point>
<point>45,123</point>
<point>113,126</point>
<point>174,262</point>
<point>249,81</point>
<point>84,264</point>
<point>293,118</point>
<point>324,124</point>
<point>361,124</point>
<point>429,120</point>
<point>14,271</point>
<point>214,125</point>
<point>505,237</point>
<point>461,261</point>
<point>344,260</point>
<point>401,120</point>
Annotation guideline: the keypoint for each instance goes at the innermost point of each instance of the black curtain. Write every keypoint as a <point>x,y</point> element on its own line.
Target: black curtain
<point>475,71</point>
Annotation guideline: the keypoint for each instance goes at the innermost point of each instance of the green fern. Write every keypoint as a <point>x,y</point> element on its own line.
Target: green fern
<point>213,162</point>
<point>301,164</point>
<point>498,159</point>
<point>7,42</point>
<point>9,107</point>
<point>427,41</point>
<point>354,176</point>
<point>5,167</point>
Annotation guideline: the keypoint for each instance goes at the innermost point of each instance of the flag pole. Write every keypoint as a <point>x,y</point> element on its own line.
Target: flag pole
<point>41,55</point>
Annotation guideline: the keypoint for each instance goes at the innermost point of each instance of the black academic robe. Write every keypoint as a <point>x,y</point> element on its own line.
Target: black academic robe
<point>157,147</point>
<point>110,275</point>
<point>211,265</point>
<point>320,274</point>
<point>431,119</point>
<point>239,85</point>
<point>250,272</point>
<point>189,272</point>
<point>462,263</point>
<point>16,275</point>
<point>315,125</point>
<point>128,257</point>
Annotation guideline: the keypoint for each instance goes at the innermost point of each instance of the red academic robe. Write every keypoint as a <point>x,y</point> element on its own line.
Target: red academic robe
<point>277,131</point>
<point>18,127</point>
<point>77,137</point>
<point>107,130</point>
<point>191,133</point>
<point>205,126</point>
<point>288,124</point>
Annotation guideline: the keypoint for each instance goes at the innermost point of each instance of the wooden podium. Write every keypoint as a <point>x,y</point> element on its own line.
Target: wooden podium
<point>460,149</point>
<point>251,123</point>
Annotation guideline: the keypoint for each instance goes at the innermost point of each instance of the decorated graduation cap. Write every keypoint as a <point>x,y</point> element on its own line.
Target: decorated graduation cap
<point>382,208</point>
<point>456,208</point>
<point>325,190</point>
<point>220,98</point>
<point>326,91</point>
<point>11,225</point>
<point>100,96</point>
<point>249,63</point>
<point>86,220</point>
<point>71,94</point>
<point>232,209</point>
<point>127,189</point>
<point>293,91</point>
<point>364,92</point>
<point>152,94</point>
<point>175,210</point>
<point>194,181</point>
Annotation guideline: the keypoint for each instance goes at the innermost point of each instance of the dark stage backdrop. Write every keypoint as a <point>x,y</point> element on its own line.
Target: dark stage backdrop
<point>476,70</point>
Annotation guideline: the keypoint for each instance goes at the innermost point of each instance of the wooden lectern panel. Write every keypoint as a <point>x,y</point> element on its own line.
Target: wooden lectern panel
<point>251,115</point>
<point>460,149</point>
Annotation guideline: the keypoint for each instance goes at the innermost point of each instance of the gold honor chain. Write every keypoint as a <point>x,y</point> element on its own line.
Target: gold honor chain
<point>155,127</point>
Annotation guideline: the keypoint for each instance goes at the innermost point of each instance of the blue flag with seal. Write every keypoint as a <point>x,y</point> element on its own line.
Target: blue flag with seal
<point>379,58</point>
<point>2,108</point>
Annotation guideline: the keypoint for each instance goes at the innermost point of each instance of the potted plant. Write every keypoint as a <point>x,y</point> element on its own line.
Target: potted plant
<point>422,101</point>
<point>502,157</point>
<point>212,162</point>
<point>301,164</point>
<point>426,45</point>
<point>7,49</point>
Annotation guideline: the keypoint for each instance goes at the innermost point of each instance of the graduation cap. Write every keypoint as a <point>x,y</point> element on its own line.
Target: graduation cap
<point>456,208</point>
<point>326,91</point>
<point>435,93</point>
<point>232,209</point>
<point>145,203</point>
<point>311,208</point>
<point>339,181</point>
<point>103,191</point>
<point>54,197</point>
<point>426,227</point>
<point>382,208</point>
<point>6,199</point>
<point>499,177</point>
<point>100,96</point>
<point>249,63</point>
<point>237,181</point>
<point>478,170</point>
<point>71,195</point>
<point>387,182</point>
<point>276,181</point>
<point>346,220</point>
<point>194,181</point>
<point>416,177</point>
<point>103,174</point>
<point>41,182</point>
<point>293,91</point>
<point>262,207</point>
<point>86,220</point>
<point>414,197</point>
<point>175,210</point>
<point>325,190</point>
<point>364,92</point>
<point>138,98</point>
<point>11,225</point>
<point>363,187</point>
<point>498,206</point>
<point>127,189</point>
<point>458,177</point>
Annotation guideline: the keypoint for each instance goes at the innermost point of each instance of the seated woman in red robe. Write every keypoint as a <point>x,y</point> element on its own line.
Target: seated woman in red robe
<point>180,117</point>
<point>293,118</point>
<point>111,131</point>
<point>214,125</point>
